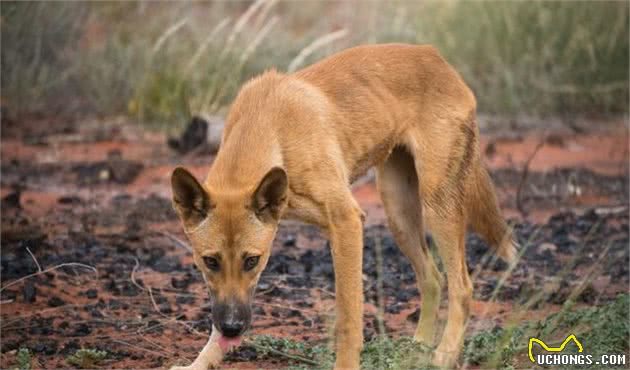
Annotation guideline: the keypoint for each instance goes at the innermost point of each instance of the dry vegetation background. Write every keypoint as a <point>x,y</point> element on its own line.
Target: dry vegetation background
<point>94,266</point>
<point>162,61</point>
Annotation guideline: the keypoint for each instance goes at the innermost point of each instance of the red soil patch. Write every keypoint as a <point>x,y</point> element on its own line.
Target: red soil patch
<point>130,330</point>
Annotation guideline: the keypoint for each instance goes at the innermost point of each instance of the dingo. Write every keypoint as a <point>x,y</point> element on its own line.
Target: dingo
<point>292,145</point>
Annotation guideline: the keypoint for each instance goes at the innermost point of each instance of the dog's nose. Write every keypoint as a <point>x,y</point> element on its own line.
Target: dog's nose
<point>232,328</point>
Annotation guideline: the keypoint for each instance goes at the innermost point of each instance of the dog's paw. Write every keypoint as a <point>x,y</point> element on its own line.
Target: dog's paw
<point>423,345</point>
<point>209,360</point>
<point>444,359</point>
<point>182,368</point>
<point>193,367</point>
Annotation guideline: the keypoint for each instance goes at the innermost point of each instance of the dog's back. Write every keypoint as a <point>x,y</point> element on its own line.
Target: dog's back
<point>346,113</point>
<point>360,102</point>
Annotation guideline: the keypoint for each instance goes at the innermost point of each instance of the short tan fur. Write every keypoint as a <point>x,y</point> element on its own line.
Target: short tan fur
<point>294,143</point>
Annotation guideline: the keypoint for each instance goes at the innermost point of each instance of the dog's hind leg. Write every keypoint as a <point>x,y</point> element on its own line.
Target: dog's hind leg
<point>449,235</point>
<point>399,187</point>
<point>444,181</point>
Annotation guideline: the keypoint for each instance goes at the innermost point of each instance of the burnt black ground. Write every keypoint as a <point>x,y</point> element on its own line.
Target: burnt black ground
<point>568,241</point>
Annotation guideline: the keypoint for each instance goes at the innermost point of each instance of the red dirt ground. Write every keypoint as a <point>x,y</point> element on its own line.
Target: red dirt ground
<point>604,152</point>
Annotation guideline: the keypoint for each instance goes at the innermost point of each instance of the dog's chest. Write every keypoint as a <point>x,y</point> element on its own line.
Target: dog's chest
<point>302,208</point>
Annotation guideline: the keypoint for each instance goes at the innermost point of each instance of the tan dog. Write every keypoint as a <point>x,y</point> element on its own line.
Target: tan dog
<point>292,145</point>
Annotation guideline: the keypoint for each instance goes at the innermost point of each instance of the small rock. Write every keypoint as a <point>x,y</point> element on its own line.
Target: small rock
<point>547,247</point>
<point>56,302</point>
<point>104,174</point>
<point>180,283</point>
<point>195,135</point>
<point>290,241</point>
<point>82,330</point>
<point>12,200</point>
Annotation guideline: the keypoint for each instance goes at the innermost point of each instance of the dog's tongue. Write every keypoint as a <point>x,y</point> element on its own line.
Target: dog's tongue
<point>227,344</point>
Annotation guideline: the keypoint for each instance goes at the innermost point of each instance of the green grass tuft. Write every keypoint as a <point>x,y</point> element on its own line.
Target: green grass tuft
<point>86,358</point>
<point>394,354</point>
<point>24,358</point>
<point>601,330</point>
<point>494,348</point>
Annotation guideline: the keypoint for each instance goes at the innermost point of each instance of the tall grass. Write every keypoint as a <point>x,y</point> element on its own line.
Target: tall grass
<point>537,57</point>
<point>160,62</point>
<point>37,42</point>
<point>180,58</point>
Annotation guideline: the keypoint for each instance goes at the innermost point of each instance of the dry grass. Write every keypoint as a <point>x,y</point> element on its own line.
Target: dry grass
<point>97,58</point>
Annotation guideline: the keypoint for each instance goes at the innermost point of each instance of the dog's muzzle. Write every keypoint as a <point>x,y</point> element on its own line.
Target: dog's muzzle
<point>232,318</point>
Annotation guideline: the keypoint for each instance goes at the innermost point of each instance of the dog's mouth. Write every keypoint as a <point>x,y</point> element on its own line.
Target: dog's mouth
<point>228,343</point>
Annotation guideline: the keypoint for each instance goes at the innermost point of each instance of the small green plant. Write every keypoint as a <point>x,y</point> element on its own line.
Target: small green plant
<point>379,353</point>
<point>86,358</point>
<point>24,359</point>
<point>301,354</point>
<point>601,330</point>
<point>495,347</point>
<point>403,353</point>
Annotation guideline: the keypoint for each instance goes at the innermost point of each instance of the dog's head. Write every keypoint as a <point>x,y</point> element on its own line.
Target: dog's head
<point>231,233</point>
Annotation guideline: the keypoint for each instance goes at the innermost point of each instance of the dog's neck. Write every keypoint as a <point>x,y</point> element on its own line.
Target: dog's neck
<point>243,160</point>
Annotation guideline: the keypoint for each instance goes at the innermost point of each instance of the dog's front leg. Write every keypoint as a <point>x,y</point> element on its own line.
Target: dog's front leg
<point>346,236</point>
<point>210,355</point>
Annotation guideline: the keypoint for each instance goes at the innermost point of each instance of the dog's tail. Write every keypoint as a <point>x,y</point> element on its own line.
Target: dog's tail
<point>485,217</point>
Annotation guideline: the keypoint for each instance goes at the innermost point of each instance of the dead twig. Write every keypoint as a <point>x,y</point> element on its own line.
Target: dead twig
<point>156,345</point>
<point>155,306</point>
<point>133,276</point>
<point>68,264</point>
<point>521,185</point>
<point>39,267</point>
<point>137,347</point>
<point>153,302</point>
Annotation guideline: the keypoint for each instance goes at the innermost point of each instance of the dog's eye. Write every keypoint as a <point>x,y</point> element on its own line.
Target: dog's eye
<point>211,263</point>
<point>251,262</point>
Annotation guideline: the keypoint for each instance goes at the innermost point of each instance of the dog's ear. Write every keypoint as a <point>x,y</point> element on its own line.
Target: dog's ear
<point>271,195</point>
<point>190,199</point>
